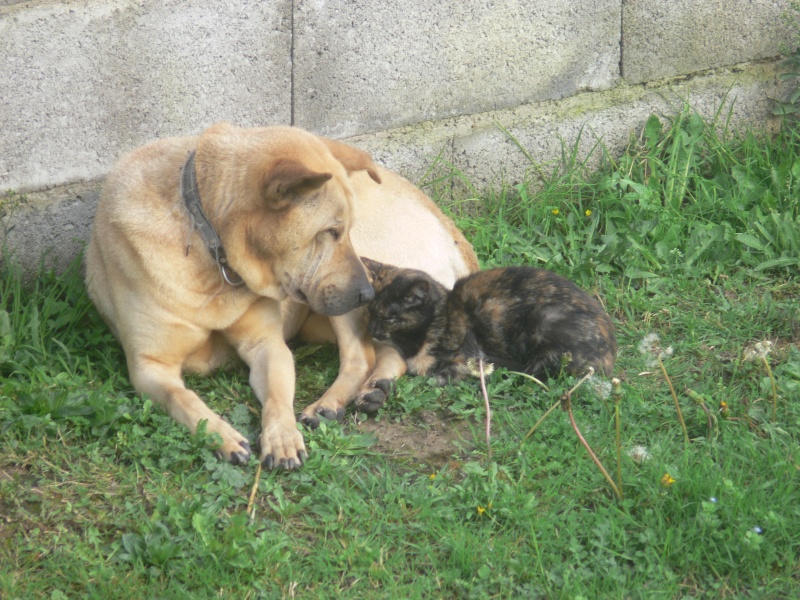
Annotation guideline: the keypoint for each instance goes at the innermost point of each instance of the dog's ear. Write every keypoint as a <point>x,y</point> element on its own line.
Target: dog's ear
<point>287,179</point>
<point>352,158</point>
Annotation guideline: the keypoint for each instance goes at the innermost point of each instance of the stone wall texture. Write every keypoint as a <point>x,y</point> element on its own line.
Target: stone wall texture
<point>84,81</point>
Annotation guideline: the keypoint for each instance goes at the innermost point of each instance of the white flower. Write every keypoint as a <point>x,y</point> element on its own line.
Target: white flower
<point>648,343</point>
<point>651,347</point>
<point>759,351</point>
<point>600,386</point>
<point>639,454</point>
<point>475,370</point>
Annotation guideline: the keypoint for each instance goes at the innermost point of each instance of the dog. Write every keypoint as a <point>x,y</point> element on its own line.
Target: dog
<point>232,242</point>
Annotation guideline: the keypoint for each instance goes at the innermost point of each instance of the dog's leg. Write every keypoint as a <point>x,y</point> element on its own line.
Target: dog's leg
<point>356,359</point>
<point>258,339</point>
<point>389,365</point>
<point>162,381</point>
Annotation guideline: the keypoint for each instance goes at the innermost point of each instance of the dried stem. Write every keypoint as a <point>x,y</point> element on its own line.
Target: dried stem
<point>712,420</point>
<point>557,402</point>
<point>588,374</point>
<point>539,422</point>
<point>675,398</point>
<point>774,388</point>
<point>616,392</point>
<point>568,399</point>
<point>533,379</point>
<point>488,410</point>
<point>251,509</point>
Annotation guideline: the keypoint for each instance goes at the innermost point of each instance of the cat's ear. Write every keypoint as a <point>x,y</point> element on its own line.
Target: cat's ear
<point>418,292</point>
<point>374,268</point>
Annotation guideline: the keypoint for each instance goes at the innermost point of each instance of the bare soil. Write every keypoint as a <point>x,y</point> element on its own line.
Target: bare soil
<point>426,437</point>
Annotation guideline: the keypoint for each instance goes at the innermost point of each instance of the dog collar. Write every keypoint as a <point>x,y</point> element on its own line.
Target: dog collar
<point>191,198</point>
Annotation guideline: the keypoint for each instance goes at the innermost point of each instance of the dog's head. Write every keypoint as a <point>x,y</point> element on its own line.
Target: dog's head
<point>281,201</point>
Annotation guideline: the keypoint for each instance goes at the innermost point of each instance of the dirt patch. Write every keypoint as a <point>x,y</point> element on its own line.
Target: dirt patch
<point>425,437</point>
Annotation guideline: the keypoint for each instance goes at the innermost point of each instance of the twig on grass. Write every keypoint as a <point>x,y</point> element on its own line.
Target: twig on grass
<point>712,419</point>
<point>532,378</point>
<point>567,400</point>
<point>488,409</point>
<point>774,388</point>
<point>651,347</point>
<point>251,509</point>
<point>556,404</point>
<point>675,398</point>
<point>616,392</point>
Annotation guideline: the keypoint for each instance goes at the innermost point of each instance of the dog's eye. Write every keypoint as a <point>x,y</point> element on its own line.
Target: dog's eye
<point>335,234</point>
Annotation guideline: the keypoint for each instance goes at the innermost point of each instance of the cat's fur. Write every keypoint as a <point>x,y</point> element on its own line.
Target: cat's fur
<point>521,318</point>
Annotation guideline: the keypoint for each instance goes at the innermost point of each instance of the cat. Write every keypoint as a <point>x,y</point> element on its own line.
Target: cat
<point>522,318</point>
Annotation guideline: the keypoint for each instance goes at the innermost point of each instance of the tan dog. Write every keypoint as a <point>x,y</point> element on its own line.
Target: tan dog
<point>240,239</point>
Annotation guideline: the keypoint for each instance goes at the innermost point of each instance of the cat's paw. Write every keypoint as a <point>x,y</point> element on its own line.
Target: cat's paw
<point>373,396</point>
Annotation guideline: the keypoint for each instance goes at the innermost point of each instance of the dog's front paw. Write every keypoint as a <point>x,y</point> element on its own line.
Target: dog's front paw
<point>372,397</point>
<point>282,448</point>
<point>234,448</point>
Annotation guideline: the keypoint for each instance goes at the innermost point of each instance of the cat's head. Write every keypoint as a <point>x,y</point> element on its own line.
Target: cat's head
<point>405,300</point>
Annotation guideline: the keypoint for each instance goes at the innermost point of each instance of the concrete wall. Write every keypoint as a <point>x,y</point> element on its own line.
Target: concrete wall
<point>83,81</point>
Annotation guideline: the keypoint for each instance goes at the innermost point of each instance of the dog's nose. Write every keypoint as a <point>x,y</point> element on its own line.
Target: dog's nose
<point>366,294</point>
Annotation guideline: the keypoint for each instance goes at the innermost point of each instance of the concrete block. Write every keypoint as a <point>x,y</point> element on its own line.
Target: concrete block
<point>51,227</point>
<point>511,146</point>
<point>373,65</point>
<point>663,39</point>
<point>487,154</point>
<point>82,82</point>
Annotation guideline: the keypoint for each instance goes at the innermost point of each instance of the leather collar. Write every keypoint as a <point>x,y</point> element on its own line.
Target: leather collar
<point>191,198</point>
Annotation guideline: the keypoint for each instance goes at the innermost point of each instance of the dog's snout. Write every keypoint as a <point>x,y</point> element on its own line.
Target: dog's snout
<point>366,294</point>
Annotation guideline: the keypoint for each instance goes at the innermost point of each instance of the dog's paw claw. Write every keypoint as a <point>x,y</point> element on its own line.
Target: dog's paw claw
<point>289,464</point>
<point>330,414</point>
<point>284,464</point>
<point>384,385</point>
<point>310,422</point>
<point>372,401</point>
<point>239,458</point>
<point>236,457</point>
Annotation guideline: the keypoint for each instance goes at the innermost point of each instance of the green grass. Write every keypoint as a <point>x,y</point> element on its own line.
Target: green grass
<point>693,235</point>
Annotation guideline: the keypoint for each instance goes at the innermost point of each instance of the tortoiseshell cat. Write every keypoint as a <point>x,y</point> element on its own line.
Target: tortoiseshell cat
<point>521,318</point>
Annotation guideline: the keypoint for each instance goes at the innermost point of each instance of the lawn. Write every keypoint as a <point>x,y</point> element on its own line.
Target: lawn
<point>692,241</point>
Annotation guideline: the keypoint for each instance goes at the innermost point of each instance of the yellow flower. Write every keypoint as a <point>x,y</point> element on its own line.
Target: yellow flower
<point>432,476</point>
<point>667,480</point>
<point>588,212</point>
<point>723,408</point>
<point>481,510</point>
<point>555,211</point>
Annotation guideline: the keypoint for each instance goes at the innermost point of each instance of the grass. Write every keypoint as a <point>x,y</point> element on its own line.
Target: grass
<point>693,235</point>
